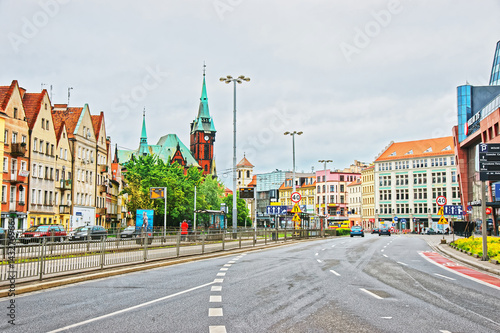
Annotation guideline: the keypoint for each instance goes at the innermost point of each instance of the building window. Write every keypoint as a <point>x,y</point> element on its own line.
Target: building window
<point>5,164</point>
<point>14,137</point>
<point>6,137</point>
<point>35,143</point>
<point>4,193</point>
<point>43,123</point>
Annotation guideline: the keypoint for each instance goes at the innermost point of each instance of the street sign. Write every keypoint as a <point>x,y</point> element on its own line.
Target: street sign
<point>395,219</point>
<point>442,220</point>
<point>441,210</point>
<point>488,210</point>
<point>441,200</point>
<point>489,161</point>
<point>296,218</point>
<point>276,210</point>
<point>296,209</point>
<point>452,210</point>
<point>296,197</point>
<point>156,192</point>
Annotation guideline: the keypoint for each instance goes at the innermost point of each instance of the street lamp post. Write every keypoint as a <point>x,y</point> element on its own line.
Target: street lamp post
<point>326,186</point>
<point>293,144</point>
<point>228,79</point>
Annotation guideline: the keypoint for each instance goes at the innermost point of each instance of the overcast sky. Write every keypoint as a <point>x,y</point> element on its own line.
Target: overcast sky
<point>352,75</point>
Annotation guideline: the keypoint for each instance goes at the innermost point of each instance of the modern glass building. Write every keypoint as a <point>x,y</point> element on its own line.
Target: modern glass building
<point>495,70</point>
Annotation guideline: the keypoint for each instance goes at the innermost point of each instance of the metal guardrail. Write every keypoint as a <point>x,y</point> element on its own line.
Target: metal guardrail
<point>48,258</point>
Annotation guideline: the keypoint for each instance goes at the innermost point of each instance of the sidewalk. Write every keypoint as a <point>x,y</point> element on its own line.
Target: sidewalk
<point>435,242</point>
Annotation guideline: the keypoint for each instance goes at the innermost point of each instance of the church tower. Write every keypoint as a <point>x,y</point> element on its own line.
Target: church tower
<point>202,136</point>
<point>143,145</point>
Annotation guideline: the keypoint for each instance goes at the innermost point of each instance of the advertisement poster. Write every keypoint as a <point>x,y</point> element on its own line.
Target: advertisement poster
<point>144,217</point>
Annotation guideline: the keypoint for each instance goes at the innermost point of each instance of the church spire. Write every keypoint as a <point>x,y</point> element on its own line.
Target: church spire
<point>203,121</point>
<point>143,147</point>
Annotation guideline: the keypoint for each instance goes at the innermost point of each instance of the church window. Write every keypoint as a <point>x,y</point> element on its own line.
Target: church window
<point>248,173</point>
<point>239,174</point>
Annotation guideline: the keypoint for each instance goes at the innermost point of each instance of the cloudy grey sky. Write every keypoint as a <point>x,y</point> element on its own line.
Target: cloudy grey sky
<point>352,75</point>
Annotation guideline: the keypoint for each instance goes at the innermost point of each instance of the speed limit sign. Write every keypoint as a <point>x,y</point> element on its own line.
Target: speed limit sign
<point>441,200</point>
<point>296,197</point>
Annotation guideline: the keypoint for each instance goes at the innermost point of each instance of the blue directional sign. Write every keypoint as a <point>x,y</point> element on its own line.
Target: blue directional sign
<point>395,219</point>
<point>276,210</point>
<point>452,210</point>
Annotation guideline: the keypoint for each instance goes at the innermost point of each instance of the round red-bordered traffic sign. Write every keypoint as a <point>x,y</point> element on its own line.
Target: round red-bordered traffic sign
<point>441,200</point>
<point>295,197</point>
<point>488,210</point>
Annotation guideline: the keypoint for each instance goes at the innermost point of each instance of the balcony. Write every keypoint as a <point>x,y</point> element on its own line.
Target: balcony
<point>63,209</point>
<point>100,211</point>
<point>18,149</point>
<point>103,168</point>
<point>65,184</point>
<point>17,206</point>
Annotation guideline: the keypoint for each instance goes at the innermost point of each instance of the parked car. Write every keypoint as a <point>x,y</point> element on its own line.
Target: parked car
<point>86,232</point>
<point>375,231</point>
<point>430,231</point>
<point>37,233</point>
<point>356,230</point>
<point>129,232</point>
<point>384,231</point>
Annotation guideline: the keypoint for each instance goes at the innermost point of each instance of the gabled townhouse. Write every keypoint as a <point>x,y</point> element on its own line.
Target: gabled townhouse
<point>63,173</point>
<point>117,178</point>
<point>15,159</point>
<point>42,153</point>
<point>83,150</point>
<point>102,168</point>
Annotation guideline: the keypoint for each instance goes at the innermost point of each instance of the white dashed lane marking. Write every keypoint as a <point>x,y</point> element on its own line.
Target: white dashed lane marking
<point>215,312</point>
<point>318,260</point>
<point>331,270</point>
<point>215,299</point>
<point>370,293</point>
<point>446,277</point>
<point>217,329</point>
<point>402,263</point>
<point>216,288</point>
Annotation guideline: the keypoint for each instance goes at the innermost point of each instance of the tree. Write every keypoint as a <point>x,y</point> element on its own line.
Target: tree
<point>150,171</point>
<point>242,219</point>
<point>209,197</point>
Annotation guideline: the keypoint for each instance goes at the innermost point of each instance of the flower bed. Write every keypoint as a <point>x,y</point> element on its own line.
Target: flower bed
<point>474,245</point>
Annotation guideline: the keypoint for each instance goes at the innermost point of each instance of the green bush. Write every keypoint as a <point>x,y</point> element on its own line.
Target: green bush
<point>343,231</point>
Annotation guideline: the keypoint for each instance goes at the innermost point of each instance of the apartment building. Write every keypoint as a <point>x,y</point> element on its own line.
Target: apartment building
<point>368,197</point>
<point>15,159</point>
<point>42,154</point>
<point>409,176</point>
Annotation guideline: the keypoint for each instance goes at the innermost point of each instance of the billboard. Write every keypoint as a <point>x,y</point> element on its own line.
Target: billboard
<point>144,217</point>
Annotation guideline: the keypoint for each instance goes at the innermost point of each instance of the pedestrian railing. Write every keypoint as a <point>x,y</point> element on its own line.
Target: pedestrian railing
<point>47,258</point>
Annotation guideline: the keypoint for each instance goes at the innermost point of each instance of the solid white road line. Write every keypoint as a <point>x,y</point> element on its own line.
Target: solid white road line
<point>370,293</point>
<point>217,329</point>
<point>446,277</point>
<point>129,309</point>
<point>215,312</point>
<point>331,270</point>
<point>215,299</point>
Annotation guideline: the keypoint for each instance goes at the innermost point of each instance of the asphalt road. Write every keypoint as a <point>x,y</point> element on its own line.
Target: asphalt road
<point>370,284</point>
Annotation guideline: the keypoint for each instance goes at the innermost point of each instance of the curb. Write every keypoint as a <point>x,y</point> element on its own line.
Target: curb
<point>473,263</point>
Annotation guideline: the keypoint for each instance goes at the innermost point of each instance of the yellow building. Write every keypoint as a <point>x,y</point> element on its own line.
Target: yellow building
<point>368,197</point>
<point>306,187</point>
<point>42,154</point>
<point>63,174</point>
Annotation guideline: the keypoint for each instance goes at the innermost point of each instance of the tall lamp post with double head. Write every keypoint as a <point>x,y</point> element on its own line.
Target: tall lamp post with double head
<point>228,79</point>
<point>293,144</point>
<point>326,198</point>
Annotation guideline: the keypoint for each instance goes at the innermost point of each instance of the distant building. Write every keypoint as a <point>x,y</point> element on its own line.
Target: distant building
<point>368,197</point>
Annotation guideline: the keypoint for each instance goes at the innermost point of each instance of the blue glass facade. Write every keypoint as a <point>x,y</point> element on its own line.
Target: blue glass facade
<point>495,70</point>
<point>464,109</point>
